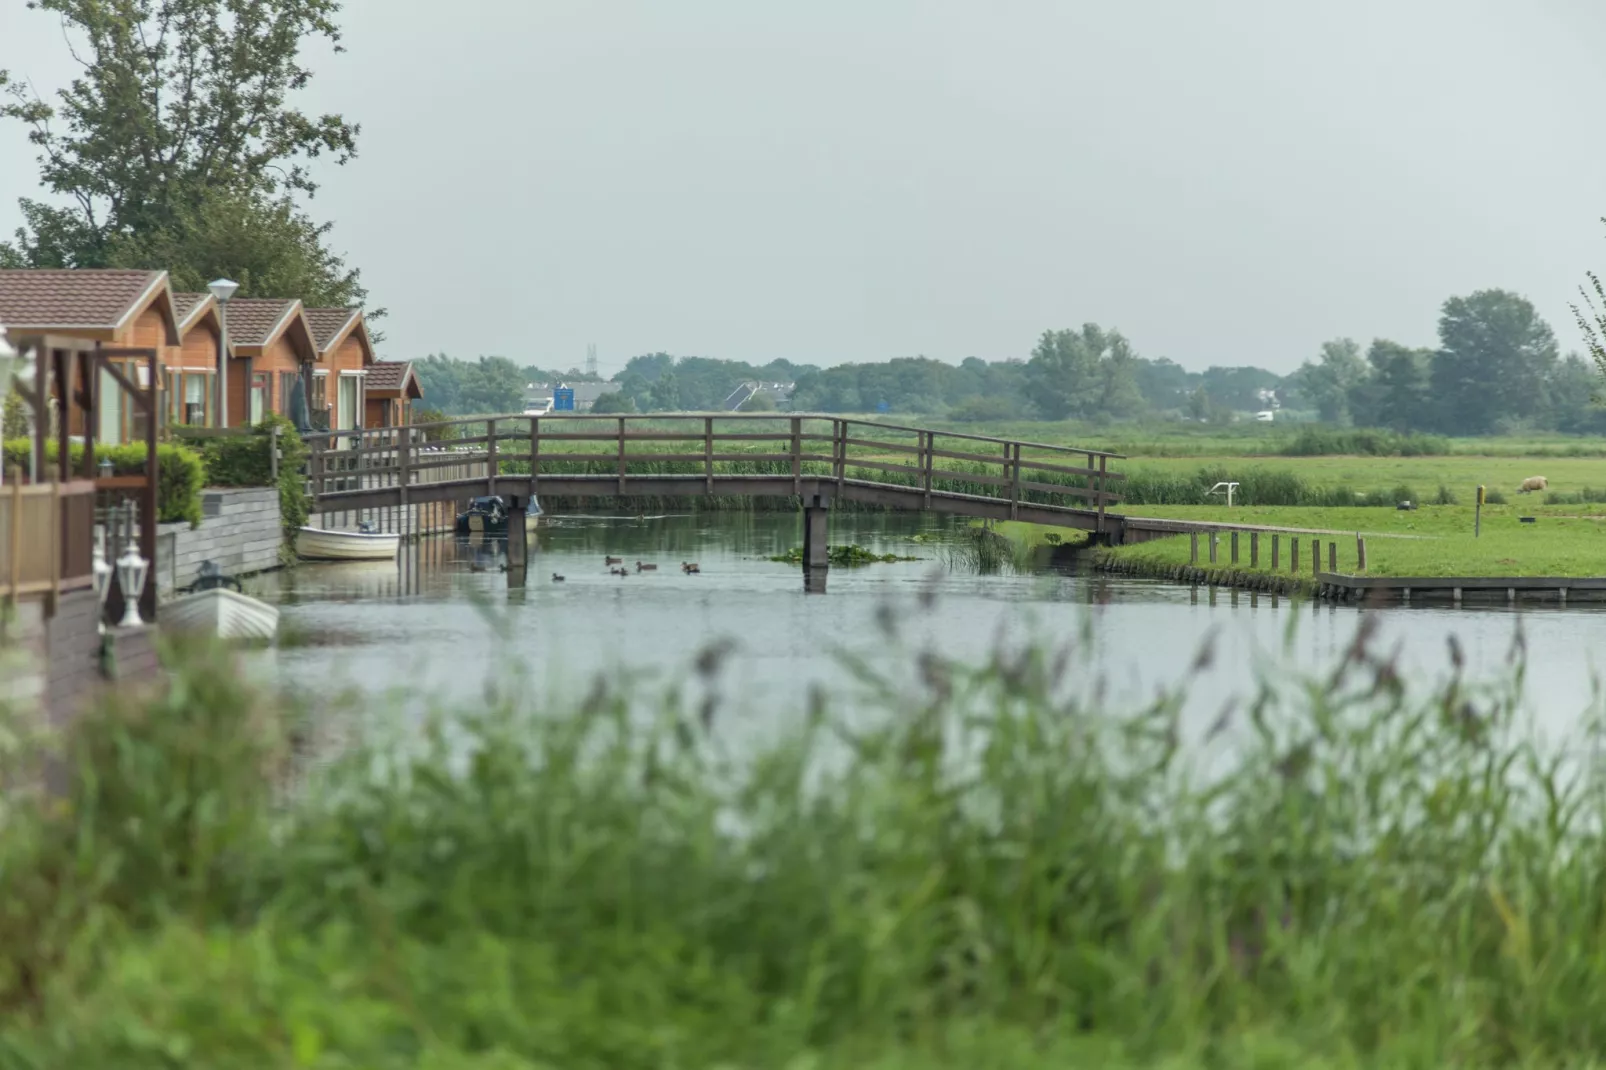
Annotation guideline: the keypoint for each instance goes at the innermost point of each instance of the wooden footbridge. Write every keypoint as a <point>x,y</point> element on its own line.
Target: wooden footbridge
<point>817,460</point>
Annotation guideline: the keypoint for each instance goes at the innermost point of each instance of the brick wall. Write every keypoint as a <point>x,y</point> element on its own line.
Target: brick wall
<point>241,532</point>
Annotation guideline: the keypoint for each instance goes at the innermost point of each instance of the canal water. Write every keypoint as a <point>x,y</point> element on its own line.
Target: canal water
<point>439,625</point>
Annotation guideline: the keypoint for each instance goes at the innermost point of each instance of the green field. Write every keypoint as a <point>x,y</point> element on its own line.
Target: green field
<point>1430,541</point>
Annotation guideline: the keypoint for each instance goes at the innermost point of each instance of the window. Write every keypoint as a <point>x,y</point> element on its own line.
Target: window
<point>348,403</point>
<point>110,430</point>
<point>195,399</point>
<point>319,401</point>
<point>287,383</point>
<point>260,394</point>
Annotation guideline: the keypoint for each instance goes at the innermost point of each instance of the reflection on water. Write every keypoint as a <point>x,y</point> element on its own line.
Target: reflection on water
<point>441,621</point>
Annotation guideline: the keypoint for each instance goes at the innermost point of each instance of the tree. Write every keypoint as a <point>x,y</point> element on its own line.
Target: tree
<point>1400,396</point>
<point>1086,373</point>
<point>613,402</point>
<point>1495,355</point>
<point>176,145</point>
<point>1328,382</point>
<point>1574,386</point>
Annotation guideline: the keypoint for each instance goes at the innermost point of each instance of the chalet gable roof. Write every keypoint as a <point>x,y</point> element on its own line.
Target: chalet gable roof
<point>99,300</point>
<point>332,326</point>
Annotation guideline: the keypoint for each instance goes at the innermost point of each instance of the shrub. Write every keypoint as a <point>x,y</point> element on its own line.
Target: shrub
<point>1494,496</point>
<point>246,461</point>
<point>180,473</point>
<point>434,434</point>
<point>1364,442</point>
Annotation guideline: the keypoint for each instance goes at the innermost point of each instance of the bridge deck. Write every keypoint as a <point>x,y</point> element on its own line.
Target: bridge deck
<point>781,455</point>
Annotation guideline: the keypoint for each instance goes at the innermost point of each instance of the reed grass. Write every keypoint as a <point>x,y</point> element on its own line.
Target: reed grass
<point>997,871</point>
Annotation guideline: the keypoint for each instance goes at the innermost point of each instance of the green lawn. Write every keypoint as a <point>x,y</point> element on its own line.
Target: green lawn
<point>1461,473</point>
<point>1565,540</point>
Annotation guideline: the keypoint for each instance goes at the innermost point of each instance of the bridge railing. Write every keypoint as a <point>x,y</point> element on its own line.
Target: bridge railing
<point>609,451</point>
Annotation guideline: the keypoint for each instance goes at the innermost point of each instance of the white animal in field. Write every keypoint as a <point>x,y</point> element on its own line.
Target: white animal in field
<point>1533,483</point>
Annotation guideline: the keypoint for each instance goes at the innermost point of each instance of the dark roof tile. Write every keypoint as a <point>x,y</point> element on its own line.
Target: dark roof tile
<point>326,323</point>
<point>98,298</point>
<point>252,319</point>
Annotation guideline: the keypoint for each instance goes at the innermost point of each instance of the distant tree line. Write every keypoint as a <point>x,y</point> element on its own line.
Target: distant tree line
<point>1496,369</point>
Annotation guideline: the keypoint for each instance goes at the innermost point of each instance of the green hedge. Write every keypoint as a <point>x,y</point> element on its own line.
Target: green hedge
<point>246,461</point>
<point>180,473</point>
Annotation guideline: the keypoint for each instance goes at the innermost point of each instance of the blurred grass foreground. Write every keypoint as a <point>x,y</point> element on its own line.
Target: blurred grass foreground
<point>999,872</point>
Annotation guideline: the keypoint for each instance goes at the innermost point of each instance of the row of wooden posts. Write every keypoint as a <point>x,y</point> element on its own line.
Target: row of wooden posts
<point>1276,556</point>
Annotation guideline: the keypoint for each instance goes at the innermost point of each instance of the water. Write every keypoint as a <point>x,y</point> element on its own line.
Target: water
<point>441,623</point>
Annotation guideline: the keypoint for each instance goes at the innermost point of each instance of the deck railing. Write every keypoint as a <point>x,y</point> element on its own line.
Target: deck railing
<point>46,537</point>
<point>611,451</point>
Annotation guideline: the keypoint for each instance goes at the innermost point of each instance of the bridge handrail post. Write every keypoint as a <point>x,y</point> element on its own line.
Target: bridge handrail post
<point>490,457</point>
<point>404,462</point>
<point>1102,474</point>
<point>1014,484</point>
<point>317,470</point>
<point>839,452</point>
<point>926,464</point>
<point>535,453</point>
<point>621,456</point>
<point>797,455</point>
<point>708,455</point>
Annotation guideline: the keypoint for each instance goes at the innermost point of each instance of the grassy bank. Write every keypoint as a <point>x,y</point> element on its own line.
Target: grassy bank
<point>1379,884</point>
<point>1564,540</point>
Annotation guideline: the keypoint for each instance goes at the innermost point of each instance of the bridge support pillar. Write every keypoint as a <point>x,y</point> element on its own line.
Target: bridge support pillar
<point>518,546</point>
<point>816,548</point>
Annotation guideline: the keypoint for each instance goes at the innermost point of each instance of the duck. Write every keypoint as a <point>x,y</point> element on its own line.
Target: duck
<point>619,571</point>
<point>556,578</point>
<point>645,568</point>
<point>689,567</point>
<point>606,560</point>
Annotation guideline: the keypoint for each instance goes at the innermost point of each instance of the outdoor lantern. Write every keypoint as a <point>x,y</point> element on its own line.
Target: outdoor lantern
<point>105,467</point>
<point>131,569</point>
<point>102,571</point>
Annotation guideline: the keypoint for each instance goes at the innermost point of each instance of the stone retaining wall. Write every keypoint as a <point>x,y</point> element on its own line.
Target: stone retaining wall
<point>241,531</point>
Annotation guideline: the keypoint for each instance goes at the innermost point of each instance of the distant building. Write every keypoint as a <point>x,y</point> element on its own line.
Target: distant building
<point>538,396</point>
<point>780,393</point>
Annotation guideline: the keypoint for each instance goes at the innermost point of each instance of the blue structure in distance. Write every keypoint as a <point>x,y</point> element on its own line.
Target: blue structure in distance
<point>563,399</point>
<point>883,408</point>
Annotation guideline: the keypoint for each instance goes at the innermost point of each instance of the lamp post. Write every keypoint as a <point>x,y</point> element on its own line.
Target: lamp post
<point>223,289</point>
<point>131,569</point>
<point>102,572</point>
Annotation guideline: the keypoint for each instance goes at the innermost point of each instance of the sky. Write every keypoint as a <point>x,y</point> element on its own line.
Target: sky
<point>1224,181</point>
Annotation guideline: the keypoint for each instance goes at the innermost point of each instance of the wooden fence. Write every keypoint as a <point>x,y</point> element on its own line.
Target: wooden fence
<point>46,533</point>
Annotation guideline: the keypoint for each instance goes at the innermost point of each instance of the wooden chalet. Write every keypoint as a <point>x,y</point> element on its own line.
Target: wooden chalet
<point>273,344</point>
<point>391,388</point>
<point>345,355</point>
<point>120,309</point>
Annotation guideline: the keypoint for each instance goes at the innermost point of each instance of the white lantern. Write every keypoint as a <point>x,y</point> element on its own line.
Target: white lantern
<point>131,569</point>
<point>102,572</point>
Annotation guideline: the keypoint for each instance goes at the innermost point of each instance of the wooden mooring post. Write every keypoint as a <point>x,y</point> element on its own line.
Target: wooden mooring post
<point>1254,549</point>
<point>1332,555</point>
<point>1274,547</point>
<point>1193,547</point>
<point>1215,540</point>
<point>1360,553</point>
<point>1293,555</point>
<point>1235,547</point>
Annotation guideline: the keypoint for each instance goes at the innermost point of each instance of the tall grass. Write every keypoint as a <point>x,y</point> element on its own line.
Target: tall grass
<point>997,871</point>
<point>1256,486</point>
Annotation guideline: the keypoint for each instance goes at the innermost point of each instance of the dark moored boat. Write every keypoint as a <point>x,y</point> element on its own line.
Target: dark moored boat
<point>490,514</point>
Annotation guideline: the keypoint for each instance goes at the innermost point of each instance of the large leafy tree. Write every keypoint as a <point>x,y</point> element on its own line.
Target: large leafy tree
<point>1495,357</point>
<point>1399,389</point>
<point>1084,374</point>
<point>178,145</point>
<point>1328,382</point>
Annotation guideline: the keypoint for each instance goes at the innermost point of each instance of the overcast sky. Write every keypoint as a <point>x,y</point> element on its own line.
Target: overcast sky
<point>1226,181</point>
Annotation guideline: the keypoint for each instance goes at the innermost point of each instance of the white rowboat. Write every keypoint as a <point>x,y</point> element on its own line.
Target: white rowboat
<point>319,544</point>
<point>221,612</point>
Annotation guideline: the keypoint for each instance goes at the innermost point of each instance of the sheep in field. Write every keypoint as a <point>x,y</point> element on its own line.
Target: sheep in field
<point>1533,483</point>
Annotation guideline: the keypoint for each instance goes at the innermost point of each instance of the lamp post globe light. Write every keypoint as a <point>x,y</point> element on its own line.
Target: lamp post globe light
<point>102,572</point>
<point>223,289</point>
<point>131,569</point>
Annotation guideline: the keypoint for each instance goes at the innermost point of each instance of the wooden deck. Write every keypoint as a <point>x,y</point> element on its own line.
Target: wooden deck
<point>816,459</point>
